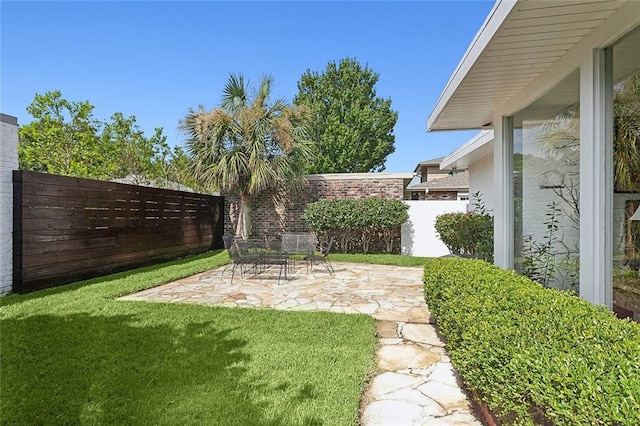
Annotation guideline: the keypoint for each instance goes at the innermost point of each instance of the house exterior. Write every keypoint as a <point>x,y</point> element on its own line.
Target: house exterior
<point>544,77</point>
<point>430,170</point>
<point>476,157</point>
<point>449,187</point>
<point>432,181</point>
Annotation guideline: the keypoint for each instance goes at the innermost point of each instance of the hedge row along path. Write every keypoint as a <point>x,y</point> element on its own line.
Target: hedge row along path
<point>415,383</point>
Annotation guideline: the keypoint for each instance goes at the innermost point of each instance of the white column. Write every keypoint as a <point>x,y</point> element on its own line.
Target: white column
<point>503,181</point>
<point>8,163</point>
<point>596,178</point>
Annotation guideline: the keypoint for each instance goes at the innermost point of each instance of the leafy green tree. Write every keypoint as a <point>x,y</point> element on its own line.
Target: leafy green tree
<point>175,167</point>
<point>63,138</point>
<point>352,127</point>
<point>248,144</point>
<point>131,153</point>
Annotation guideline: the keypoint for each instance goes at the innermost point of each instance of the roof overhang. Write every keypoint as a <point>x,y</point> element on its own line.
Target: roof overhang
<point>521,50</point>
<point>435,162</point>
<point>478,147</point>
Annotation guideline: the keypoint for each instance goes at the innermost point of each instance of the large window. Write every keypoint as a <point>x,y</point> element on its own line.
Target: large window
<point>546,140</point>
<point>626,162</point>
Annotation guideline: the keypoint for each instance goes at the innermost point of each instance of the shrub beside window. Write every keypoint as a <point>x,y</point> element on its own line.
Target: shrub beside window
<point>469,234</point>
<point>357,224</point>
<point>533,354</point>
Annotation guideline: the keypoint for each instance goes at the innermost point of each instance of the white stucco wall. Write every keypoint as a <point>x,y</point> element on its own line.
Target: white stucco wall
<point>419,237</point>
<point>8,163</point>
<point>481,180</point>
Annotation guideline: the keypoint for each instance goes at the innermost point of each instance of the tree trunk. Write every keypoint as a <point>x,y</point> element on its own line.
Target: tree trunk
<point>244,217</point>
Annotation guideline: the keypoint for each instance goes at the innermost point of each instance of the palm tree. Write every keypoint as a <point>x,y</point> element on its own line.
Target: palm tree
<point>248,144</point>
<point>626,161</point>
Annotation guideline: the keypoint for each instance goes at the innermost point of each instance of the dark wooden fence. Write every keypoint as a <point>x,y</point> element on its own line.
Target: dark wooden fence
<point>67,229</point>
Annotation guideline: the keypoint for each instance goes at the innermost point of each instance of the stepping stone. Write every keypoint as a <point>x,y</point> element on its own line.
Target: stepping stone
<point>419,315</point>
<point>365,308</point>
<point>399,357</point>
<point>410,395</point>
<point>449,397</point>
<point>444,373</point>
<point>387,329</point>
<point>422,333</point>
<point>391,413</point>
<point>389,382</point>
<point>458,418</point>
<point>390,341</point>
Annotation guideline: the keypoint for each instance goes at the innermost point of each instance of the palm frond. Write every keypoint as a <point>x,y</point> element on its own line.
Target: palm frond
<point>234,95</point>
<point>261,96</point>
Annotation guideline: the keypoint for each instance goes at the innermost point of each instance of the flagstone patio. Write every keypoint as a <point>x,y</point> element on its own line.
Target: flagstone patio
<point>416,384</point>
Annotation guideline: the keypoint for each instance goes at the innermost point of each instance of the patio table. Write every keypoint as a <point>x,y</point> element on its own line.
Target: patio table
<point>298,243</point>
<point>256,253</point>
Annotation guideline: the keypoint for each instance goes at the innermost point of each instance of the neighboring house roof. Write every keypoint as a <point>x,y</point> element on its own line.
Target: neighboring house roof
<point>477,148</point>
<point>457,182</point>
<point>427,163</point>
<point>434,162</point>
<point>522,49</point>
<point>134,179</point>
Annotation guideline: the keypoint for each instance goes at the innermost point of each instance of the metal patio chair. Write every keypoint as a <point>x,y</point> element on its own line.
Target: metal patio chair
<point>322,258</point>
<point>242,258</point>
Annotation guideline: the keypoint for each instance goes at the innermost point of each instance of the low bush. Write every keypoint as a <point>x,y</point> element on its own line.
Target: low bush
<point>467,233</point>
<point>534,355</point>
<point>365,225</point>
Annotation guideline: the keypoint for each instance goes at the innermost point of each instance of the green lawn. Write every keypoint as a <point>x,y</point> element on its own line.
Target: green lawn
<point>76,355</point>
<point>380,259</point>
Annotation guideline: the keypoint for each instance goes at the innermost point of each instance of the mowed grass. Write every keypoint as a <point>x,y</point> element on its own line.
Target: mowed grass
<point>380,259</point>
<point>77,355</point>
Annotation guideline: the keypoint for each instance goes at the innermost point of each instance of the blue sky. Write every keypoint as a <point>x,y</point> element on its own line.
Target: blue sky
<point>154,60</point>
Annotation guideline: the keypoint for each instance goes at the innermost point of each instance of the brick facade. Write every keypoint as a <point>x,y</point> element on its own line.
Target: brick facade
<point>441,195</point>
<point>274,214</point>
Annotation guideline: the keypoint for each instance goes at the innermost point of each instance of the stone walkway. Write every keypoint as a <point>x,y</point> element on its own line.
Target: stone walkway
<point>416,384</point>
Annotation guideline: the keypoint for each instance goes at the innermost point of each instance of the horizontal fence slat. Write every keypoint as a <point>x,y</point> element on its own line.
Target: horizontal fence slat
<point>67,229</point>
<point>43,236</point>
<point>69,250</point>
<point>109,261</point>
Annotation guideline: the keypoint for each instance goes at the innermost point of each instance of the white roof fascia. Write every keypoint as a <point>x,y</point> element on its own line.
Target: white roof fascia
<point>617,25</point>
<point>467,149</point>
<point>494,20</point>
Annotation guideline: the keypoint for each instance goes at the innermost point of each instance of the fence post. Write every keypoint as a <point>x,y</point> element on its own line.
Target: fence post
<point>8,163</point>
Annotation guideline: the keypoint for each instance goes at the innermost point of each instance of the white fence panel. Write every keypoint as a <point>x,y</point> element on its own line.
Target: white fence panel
<point>419,237</point>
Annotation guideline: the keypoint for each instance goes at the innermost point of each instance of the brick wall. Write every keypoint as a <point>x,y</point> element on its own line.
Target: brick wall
<point>442,195</point>
<point>275,213</point>
<point>8,163</point>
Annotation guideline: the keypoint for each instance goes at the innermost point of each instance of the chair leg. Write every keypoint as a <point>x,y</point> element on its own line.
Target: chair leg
<point>328,265</point>
<point>233,271</point>
<point>225,268</point>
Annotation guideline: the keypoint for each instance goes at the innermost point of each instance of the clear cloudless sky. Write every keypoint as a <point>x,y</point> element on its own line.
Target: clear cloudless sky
<point>155,60</point>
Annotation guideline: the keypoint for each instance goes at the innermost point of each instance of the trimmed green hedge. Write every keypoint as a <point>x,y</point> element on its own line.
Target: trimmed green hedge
<point>358,224</point>
<point>534,355</point>
<point>467,233</point>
